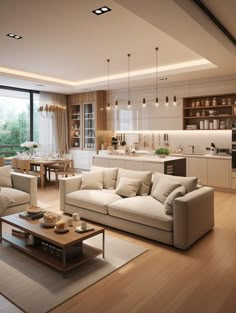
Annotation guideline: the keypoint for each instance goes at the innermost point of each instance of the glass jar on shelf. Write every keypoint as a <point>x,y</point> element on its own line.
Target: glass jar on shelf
<point>203,112</point>
<point>207,102</point>
<point>234,108</point>
<point>214,101</point>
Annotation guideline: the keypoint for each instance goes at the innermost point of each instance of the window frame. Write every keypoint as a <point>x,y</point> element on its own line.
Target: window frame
<point>31,99</point>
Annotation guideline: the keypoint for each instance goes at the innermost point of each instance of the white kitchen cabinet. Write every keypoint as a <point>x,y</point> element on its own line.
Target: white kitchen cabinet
<point>219,173</point>
<point>153,167</point>
<point>82,158</point>
<point>116,163</point>
<point>233,186</point>
<point>197,167</point>
<point>133,165</point>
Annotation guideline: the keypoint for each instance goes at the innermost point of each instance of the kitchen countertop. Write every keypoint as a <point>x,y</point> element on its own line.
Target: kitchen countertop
<point>141,158</point>
<point>207,156</point>
<point>173,156</point>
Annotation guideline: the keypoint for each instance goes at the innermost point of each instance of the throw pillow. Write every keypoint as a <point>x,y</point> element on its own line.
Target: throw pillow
<point>5,176</point>
<point>144,177</point>
<point>109,176</point>
<point>164,188</point>
<point>92,181</point>
<point>128,187</point>
<point>168,204</point>
<point>189,183</point>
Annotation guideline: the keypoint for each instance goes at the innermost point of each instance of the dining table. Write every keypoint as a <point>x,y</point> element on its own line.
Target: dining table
<point>42,163</point>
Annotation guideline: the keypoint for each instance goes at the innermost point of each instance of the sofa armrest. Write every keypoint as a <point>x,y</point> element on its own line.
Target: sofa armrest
<point>193,216</point>
<point>67,185</point>
<point>26,183</point>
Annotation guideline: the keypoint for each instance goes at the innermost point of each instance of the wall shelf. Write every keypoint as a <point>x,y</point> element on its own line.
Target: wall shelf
<point>209,112</point>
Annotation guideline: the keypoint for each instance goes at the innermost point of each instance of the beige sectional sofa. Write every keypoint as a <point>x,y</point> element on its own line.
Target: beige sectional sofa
<point>17,191</point>
<point>168,209</point>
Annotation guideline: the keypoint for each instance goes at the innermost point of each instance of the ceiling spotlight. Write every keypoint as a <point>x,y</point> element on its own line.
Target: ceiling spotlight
<point>163,78</point>
<point>101,10</point>
<point>11,35</point>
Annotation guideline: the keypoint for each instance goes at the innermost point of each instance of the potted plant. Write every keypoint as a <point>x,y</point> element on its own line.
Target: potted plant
<point>162,152</point>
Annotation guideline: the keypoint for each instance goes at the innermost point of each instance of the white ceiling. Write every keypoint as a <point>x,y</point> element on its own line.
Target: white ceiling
<point>65,46</point>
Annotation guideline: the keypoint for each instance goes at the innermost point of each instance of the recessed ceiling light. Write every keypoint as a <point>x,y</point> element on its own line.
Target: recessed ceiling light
<point>101,10</point>
<point>163,78</point>
<point>11,35</point>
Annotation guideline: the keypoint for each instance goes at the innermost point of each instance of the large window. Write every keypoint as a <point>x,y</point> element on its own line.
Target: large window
<point>18,119</point>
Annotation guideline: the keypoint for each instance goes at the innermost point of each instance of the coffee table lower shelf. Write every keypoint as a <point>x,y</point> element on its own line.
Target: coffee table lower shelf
<point>88,252</point>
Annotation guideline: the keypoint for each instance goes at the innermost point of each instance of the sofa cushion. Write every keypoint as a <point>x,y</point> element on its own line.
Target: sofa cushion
<point>168,204</point>
<point>5,201</point>
<point>92,181</point>
<point>109,176</point>
<point>17,196</point>
<point>94,200</point>
<point>5,176</point>
<point>163,188</point>
<point>189,183</point>
<point>128,187</point>
<point>143,210</point>
<point>144,177</point>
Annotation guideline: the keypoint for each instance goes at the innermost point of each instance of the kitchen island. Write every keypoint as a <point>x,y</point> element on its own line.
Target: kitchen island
<point>170,165</point>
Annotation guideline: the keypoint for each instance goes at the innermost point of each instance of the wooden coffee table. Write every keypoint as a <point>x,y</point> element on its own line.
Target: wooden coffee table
<point>62,251</point>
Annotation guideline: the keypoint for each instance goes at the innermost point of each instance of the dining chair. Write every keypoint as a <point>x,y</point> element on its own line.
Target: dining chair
<point>59,166</point>
<point>1,161</point>
<point>14,164</point>
<point>23,166</point>
<point>68,170</point>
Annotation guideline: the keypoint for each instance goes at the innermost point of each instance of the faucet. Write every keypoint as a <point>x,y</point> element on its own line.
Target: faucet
<point>192,146</point>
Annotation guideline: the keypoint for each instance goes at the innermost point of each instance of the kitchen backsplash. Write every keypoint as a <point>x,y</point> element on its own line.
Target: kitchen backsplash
<point>150,140</point>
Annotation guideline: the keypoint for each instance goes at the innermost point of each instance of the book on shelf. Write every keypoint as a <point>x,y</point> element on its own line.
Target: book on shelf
<point>29,216</point>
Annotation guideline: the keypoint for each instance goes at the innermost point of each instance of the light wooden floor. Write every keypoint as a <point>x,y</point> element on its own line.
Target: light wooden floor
<point>166,280</point>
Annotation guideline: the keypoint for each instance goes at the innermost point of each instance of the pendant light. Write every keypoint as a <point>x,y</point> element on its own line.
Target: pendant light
<point>108,84</point>
<point>157,102</point>
<point>167,102</point>
<point>129,103</point>
<point>144,103</point>
<point>175,102</point>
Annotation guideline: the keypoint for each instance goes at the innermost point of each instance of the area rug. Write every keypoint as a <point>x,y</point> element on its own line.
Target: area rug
<point>35,287</point>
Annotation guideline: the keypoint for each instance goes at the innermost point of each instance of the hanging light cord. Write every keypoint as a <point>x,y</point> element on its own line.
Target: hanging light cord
<point>128,79</point>
<point>156,73</point>
<point>108,82</point>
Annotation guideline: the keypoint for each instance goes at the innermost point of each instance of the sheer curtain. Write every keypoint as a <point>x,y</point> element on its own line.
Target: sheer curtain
<point>53,132</point>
